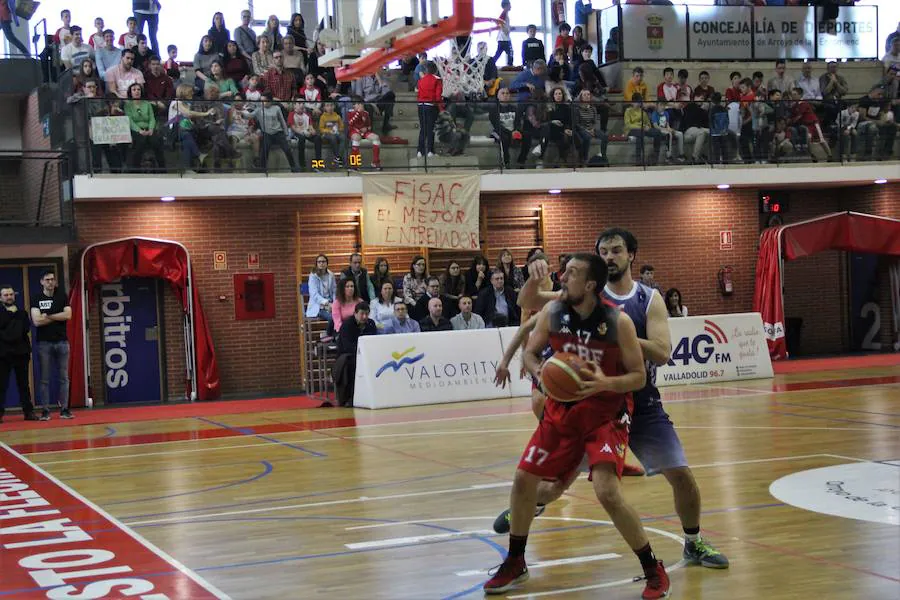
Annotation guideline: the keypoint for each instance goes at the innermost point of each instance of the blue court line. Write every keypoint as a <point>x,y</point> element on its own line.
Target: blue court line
<point>267,468</point>
<point>110,431</point>
<point>791,414</point>
<point>853,410</point>
<point>475,588</point>
<point>166,470</point>
<point>249,432</point>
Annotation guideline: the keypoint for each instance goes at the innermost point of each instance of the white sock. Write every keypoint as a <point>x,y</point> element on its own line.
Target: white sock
<point>691,537</point>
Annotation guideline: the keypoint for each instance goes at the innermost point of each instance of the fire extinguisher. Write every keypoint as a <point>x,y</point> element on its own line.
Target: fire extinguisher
<point>726,285</point>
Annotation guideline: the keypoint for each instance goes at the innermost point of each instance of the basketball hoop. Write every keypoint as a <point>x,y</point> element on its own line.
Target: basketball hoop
<point>461,74</point>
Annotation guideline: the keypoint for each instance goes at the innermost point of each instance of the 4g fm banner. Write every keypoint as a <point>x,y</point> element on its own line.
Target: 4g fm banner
<point>716,348</point>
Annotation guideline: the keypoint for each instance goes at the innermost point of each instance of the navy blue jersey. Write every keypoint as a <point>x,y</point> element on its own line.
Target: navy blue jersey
<point>636,304</point>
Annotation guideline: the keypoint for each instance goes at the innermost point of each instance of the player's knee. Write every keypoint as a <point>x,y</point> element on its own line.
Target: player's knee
<point>609,495</point>
<point>680,477</point>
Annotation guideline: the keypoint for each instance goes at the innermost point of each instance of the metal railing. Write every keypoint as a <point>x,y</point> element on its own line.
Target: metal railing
<point>35,191</point>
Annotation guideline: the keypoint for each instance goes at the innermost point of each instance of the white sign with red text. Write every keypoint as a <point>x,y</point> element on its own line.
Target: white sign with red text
<point>716,348</point>
<point>56,544</point>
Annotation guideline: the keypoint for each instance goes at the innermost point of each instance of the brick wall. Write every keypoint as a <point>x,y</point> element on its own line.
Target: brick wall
<point>11,193</point>
<point>678,234</point>
<point>32,170</point>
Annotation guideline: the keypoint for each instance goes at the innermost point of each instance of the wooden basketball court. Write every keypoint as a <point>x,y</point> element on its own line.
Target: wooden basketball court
<point>398,504</point>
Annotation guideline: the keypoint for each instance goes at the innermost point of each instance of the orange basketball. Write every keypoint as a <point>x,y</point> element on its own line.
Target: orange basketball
<point>560,378</point>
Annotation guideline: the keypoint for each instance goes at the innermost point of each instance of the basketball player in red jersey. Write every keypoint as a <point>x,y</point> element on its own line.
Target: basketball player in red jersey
<point>595,425</point>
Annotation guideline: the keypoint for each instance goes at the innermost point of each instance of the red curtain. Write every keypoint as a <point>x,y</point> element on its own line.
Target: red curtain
<point>140,258</point>
<point>849,231</point>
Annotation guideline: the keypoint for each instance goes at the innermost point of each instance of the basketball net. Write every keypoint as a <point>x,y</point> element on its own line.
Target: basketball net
<point>461,74</point>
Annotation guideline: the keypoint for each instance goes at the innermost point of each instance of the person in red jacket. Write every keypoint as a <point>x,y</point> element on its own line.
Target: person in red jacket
<point>803,120</point>
<point>429,94</point>
<point>359,127</point>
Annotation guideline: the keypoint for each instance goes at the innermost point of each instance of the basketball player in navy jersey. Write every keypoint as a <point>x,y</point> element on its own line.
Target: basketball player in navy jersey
<point>595,425</point>
<point>653,438</point>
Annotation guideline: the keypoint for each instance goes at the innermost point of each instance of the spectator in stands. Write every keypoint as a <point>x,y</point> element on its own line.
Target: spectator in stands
<point>496,303</point>
<point>236,66</point>
<point>466,319</point>
<point>172,67</point>
<point>416,281</point>
<point>578,42</point>
<point>590,78</point>
<point>262,60</point>
<point>94,106</point>
<point>294,60</point>
<point>532,48</point>
<point>144,136</point>
<point>345,300</point>
<point>535,126</point>
<point>147,11</point>
<point>321,286</point>
<point>584,58</point>
<point>240,131</point>
<point>638,125</point>
<point>63,35</point>
<point>504,122</point>
<point>97,41</point>
<point>279,81</point>
<point>203,60</point>
<point>274,131</point>
<point>504,44</point>
<point>304,129</point>
<point>184,116</point>
<point>780,82</point>
<point>108,56</point>
<point>512,274</point>
<point>429,99</point>
<point>129,38</point>
<point>647,276</point>
<point>889,42</point>
<point>674,305</point>
<point>212,127</point>
<point>757,83</point>
<point>273,33</point>
<point>803,121</point>
<point>781,139</point>
<point>159,88</point>
<point>491,76</point>
<point>891,62</point>
<point>559,71</point>
<point>748,97</point>
<point>449,133</point>
<point>244,35</point>
<point>381,272</point>
<point>401,323</point>
<point>876,118</point>
<point>561,132</point>
<point>356,272</point>
<point>76,51</point>
<point>86,72</point>
<point>383,305</point>
<point>476,276</point>
<point>565,41</point>
<point>722,138</point>
<point>586,127</point>
<point>453,283</point>
<point>703,91</point>
<point>672,137</point>
<point>685,91</point>
<point>556,275</point>
<point>432,291</point>
<point>637,85</point>
<point>530,80</point>
<point>808,83</point>
<point>331,128</point>
<point>733,94</point>
<point>359,127</point>
<point>356,325</point>
<point>377,94</point>
<point>668,89</point>
<point>218,33</point>
<point>120,77</point>
<point>142,54</point>
<point>297,32</point>
<point>696,126</point>
<point>834,87</point>
<point>419,70</point>
<point>848,120</point>
<point>435,320</point>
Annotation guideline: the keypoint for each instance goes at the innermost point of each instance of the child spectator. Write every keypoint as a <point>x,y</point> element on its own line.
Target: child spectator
<point>564,40</point>
<point>848,119</point>
<point>761,113</point>
<point>254,89</point>
<point>578,41</point>
<point>85,73</point>
<point>129,38</point>
<point>586,126</point>
<point>722,137</point>
<point>331,129</point>
<point>313,95</point>
<point>636,85</point>
<point>420,68</point>
<point>359,126</point>
<point>532,48</point>
<point>584,57</point>
<point>696,127</point>
<point>803,119</point>
<point>733,94</point>
<point>142,54</point>
<point>685,91</point>
<point>673,138</point>
<point>757,84</point>
<point>505,122</point>
<point>173,69</point>
<point>781,140</point>
<point>561,126</point>
<point>63,35</point>
<point>703,91</point>
<point>503,41</point>
<point>450,134</point>
<point>97,40</point>
<point>274,130</point>
<point>303,129</point>
<point>748,97</point>
<point>559,71</point>
<point>535,127</point>
<point>668,89</point>
<point>429,100</point>
<point>639,126</point>
<point>239,130</point>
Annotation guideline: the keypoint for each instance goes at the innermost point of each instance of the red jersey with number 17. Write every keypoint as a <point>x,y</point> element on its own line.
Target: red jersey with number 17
<point>594,339</point>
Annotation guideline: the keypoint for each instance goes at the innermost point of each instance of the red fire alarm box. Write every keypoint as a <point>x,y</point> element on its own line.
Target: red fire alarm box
<point>254,296</point>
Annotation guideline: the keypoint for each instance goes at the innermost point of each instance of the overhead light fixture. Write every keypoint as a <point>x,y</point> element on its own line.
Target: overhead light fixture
<point>723,186</point>
<point>554,192</point>
<point>880,181</point>
<point>167,198</point>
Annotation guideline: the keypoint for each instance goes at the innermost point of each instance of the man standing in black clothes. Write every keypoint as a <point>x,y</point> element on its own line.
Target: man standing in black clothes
<point>15,351</point>
<point>49,312</point>
<point>344,369</point>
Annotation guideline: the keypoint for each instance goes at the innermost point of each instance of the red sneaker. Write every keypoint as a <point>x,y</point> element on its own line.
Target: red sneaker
<point>511,573</point>
<point>632,471</point>
<point>657,584</point>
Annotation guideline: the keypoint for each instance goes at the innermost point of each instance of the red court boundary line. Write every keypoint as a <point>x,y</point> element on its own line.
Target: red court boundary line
<point>812,365</point>
<point>361,418</point>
